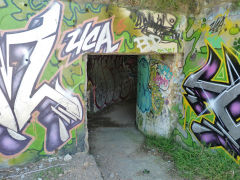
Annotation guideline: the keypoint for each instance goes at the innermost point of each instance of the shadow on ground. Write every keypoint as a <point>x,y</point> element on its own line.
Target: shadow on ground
<point>118,147</point>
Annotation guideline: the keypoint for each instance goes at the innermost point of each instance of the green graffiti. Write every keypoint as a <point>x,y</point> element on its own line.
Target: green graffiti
<point>195,36</point>
<point>26,10</point>
<point>37,131</point>
<point>7,20</point>
<point>51,68</point>
<point>37,5</point>
<point>15,15</point>
<point>128,42</point>
<point>234,30</point>
<point>74,8</point>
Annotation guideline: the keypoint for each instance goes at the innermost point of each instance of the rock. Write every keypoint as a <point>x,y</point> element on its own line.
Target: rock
<point>39,178</point>
<point>22,176</point>
<point>111,175</point>
<point>68,157</point>
<point>86,164</point>
<point>52,159</point>
<point>60,158</point>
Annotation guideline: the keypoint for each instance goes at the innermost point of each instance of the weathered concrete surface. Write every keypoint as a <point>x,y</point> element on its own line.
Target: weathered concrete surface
<point>159,93</point>
<point>118,147</point>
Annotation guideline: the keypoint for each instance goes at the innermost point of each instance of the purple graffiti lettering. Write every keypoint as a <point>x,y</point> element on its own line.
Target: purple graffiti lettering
<point>223,99</point>
<point>23,56</point>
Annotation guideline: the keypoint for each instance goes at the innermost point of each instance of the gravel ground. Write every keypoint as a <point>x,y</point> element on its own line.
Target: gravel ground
<point>80,166</point>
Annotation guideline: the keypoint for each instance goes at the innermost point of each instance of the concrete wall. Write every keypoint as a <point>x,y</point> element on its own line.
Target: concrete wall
<point>111,79</point>
<point>208,110</point>
<point>43,77</point>
<point>159,93</point>
<point>210,88</point>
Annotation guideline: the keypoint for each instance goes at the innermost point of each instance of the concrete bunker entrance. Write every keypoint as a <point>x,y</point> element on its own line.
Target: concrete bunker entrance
<point>112,133</point>
<point>114,84</point>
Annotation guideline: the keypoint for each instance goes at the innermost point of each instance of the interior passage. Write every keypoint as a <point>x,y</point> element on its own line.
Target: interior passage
<point>113,136</point>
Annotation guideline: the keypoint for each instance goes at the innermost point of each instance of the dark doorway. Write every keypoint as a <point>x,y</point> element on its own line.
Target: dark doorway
<point>114,140</point>
<point>112,79</point>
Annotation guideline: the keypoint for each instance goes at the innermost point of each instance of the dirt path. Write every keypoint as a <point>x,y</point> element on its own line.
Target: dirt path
<point>80,166</point>
<point>118,147</point>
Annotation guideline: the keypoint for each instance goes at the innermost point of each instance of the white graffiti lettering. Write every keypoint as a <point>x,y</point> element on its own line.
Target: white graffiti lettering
<point>23,56</point>
<point>90,37</point>
<point>154,43</point>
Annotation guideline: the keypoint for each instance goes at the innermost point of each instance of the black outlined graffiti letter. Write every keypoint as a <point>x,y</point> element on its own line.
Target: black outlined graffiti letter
<point>23,55</point>
<point>222,98</point>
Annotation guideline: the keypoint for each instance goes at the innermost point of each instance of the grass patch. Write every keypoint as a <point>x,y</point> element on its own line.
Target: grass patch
<point>51,173</point>
<point>184,6</point>
<point>197,162</point>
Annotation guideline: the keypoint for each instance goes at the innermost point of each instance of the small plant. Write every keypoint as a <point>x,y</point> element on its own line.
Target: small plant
<point>51,173</point>
<point>146,171</point>
<point>196,162</point>
<point>235,4</point>
<point>236,44</point>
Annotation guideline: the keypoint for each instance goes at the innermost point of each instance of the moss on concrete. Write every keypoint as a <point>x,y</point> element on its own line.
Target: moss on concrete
<point>180,6</point>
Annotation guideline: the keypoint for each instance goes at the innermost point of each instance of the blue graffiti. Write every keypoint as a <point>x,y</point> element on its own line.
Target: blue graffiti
<point>144,100</point>
<point>164,69</point>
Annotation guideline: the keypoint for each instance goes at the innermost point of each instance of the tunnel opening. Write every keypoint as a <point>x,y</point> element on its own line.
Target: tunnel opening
<point>111,111</point>
<point>128,97</point>
<point>111,90</point>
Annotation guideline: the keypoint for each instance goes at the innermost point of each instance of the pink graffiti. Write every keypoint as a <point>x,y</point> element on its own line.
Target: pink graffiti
<point>161,82</point>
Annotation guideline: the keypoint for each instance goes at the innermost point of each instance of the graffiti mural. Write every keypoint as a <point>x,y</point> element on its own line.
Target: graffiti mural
<point>91,37</point>
<point>112,79</point>
<point>159,31</point>
<point>158,24</point>
<point>22,61</point>
<point>211,79</point>
<point>163,77</point>
<point>158,93</point>
<point>43,75</point>
<point>221,98</point>
<point>216,26</point>
<point>154,43</point>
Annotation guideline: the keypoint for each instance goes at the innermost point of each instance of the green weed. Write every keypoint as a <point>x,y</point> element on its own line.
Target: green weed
<point>169,5</point>
<point>146,171</point>
<point>197,162</point>
<point>51,173</point>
